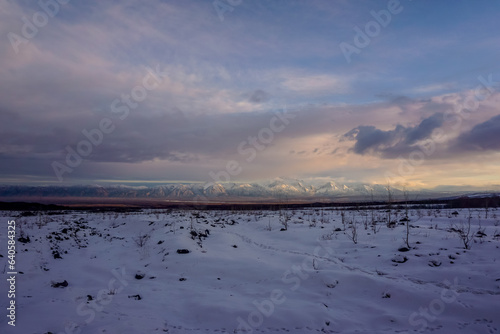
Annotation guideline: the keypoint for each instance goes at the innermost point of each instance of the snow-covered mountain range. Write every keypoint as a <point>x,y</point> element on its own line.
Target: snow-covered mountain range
<point>278,189</point>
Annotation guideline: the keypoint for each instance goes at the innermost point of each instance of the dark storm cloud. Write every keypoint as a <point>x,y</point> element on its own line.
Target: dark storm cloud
<point>391,143</point>
<point>369,138</point>
<point>424,129</point>
<point>484,136</point>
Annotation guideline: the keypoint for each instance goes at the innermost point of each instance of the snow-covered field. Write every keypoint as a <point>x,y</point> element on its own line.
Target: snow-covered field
<point>127,272</point>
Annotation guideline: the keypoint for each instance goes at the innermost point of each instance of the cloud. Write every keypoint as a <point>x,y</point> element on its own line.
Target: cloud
<point>424,129</point>
<point>392,143</point>
<point>434,88</point>
<point>312,84</point>
<point>259,96</point>
<point>369,138</point>
<point>224,81</point>
<point>482,137</point>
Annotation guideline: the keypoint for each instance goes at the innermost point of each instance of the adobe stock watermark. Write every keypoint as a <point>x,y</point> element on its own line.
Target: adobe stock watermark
<point>30,28</point>
<point>104,297</point>
<point>436,307</point>
<point>94,137</point>
<point>223,6</point>
<point>251,146</point>
<point>372,29</point>
<point>455,117</point>
<point>293,278</point>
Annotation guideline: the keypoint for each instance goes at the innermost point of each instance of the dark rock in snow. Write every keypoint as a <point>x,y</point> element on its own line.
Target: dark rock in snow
<point>136,297</point>
<point>434,263</point>
<point>23,240</point>
<point>400,259</point>
<point>60,284</point>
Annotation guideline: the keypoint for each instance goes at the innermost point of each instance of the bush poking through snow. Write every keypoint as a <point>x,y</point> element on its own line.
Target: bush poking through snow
<point>142,239</point>
<point>464,232</point>
<point>352,231</point>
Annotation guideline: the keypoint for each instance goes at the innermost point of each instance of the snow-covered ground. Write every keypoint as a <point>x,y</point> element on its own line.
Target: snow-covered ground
<point>124,273</point>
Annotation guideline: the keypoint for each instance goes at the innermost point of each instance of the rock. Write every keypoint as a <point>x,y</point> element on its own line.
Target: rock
<point>434,263</point>
<point>480,234</point>
<point>23,240</point>
<point>136,297</point>
<point>400,259</point>
<point>61,284</point>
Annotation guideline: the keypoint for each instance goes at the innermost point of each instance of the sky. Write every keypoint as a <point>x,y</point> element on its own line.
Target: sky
<point>405,92</point>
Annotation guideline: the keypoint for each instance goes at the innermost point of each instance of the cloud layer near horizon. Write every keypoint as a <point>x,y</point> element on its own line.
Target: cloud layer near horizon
<point>220,84</point>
